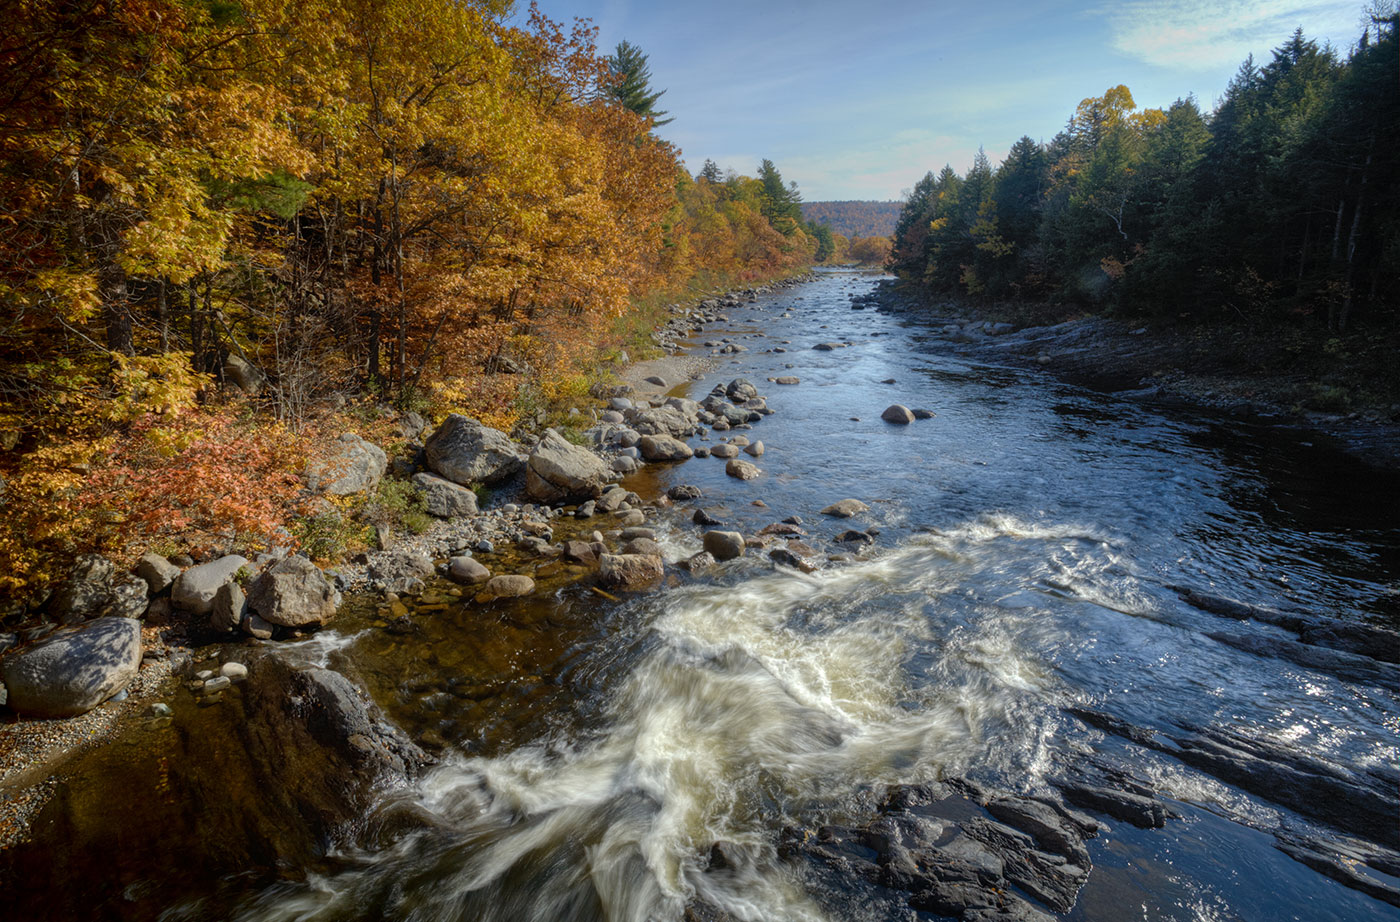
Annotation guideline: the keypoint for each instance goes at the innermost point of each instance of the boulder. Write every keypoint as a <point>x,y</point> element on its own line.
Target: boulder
<point>743,470</point>
<point>73,670</point>
<point>663,420</point>
<point>505,587</point>
<point>158,572</point>
<point>467,570</point>
<point>230,608</point>
<point>294,593</point>
<point>698,563</point>
<point>86,592</point>
<point>629,571</point>
<point>898,414</point>
<point>756,449</point>
<point>664,448</point>
<point>244,374</point>
<point>920,413</point>
<point>351,465</point>
<point>705,517</point>
<point>444,498</point>
<point>646,547</point>
<point>466,452</point>
<point>400,571</point>
<point>725,450</point>
<point>561,472</point>
<point>195,589</point>
<point>740,390</point>
<point>724,545</point>
<point>846,508</point>
<point>684,491</point>
<point>788,558</point>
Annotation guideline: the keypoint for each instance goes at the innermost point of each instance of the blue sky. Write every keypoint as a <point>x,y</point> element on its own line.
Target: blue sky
<point>858,100</point>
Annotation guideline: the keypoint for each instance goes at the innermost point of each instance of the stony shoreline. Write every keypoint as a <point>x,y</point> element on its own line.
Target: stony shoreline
<point>175,643</point>
<point>1140,362</point>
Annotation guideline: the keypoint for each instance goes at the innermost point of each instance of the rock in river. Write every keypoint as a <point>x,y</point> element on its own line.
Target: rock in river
<point>294,593</point>
<point>899,414</point>
<point>629,571</point>
<point>467,570</point>
<point>73,670</point>
<point>505,587</point>
<point>845,508</point>
<point>664,448</point>
<point>724,545</point>
<point>743,470</point>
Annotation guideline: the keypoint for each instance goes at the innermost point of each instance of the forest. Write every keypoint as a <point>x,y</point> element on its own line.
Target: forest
<point>1277,212</point>
<point>854,218</point>
<point>231,226</point>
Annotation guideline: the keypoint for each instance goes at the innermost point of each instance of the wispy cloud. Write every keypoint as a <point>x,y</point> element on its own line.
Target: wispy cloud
<point>1207,34</point>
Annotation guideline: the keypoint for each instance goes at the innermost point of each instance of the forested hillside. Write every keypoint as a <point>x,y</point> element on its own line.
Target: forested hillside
<point>1277,209</point>
<point>300,204</point>
<point>854,219</point>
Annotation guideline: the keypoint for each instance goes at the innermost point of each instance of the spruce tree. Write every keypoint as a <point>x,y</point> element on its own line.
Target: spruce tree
<point>632,83</point>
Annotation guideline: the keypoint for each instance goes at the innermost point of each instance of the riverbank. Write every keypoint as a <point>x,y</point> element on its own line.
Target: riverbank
<point>1231,370</point>
<point>175,644</point>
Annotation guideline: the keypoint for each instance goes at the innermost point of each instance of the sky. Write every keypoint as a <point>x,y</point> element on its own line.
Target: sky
<point>857,100</point>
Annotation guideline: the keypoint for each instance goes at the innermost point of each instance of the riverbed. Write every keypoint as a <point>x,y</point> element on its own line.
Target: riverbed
<point>1022,616</point>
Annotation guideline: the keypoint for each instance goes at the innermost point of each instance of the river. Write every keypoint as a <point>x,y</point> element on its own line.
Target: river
<point>1031,537</point>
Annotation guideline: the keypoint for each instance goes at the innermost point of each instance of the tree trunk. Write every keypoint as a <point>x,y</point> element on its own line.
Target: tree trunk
<point>1352,239</point>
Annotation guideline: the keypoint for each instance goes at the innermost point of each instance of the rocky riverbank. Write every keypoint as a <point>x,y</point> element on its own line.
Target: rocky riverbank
<point>1215,370</point>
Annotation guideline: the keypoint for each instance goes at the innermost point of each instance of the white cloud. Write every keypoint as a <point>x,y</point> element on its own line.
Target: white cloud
<point>1208,34</point>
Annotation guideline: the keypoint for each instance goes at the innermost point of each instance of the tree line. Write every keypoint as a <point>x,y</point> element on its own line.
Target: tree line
<point>410,200</point>
<point>1280,205</point>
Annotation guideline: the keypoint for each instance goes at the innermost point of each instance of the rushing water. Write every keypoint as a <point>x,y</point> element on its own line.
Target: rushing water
<point>1028,539</point>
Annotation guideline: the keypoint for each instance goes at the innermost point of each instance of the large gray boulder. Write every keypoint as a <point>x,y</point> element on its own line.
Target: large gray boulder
<point>444,498</point>
<point>466,452</point>
<point>158,572</point>
<point>351,465</point>
<point>294,593</point>
<point>663,420</point>
<point>195,589</point>
<point>73,670</point>
<point>664,448</point>
<point>560,472</point>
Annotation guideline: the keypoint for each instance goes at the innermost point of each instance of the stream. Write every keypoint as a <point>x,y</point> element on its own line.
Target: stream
<point>1032,541</point>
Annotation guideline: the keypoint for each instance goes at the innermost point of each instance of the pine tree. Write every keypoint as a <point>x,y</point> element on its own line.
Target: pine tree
<point>632,83</point>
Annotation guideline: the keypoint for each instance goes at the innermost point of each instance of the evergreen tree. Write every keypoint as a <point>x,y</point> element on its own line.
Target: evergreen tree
<point>632,83</point>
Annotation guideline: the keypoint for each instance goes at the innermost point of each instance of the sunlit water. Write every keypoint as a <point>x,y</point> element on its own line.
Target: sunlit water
<point>1027,539</point>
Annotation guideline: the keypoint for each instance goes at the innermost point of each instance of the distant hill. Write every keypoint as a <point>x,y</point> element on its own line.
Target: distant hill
<point>854,219</point>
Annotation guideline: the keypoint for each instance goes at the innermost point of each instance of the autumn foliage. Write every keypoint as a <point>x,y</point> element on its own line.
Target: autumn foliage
<point>395,200</point>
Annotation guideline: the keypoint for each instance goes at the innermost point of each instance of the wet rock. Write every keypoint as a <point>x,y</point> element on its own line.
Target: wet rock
<point>782,528</point>
<point>1347,862</point>
<point>400,571</point>
<point>351,465</point>
<point>256,627</point>
<point>787,558</point>
<point>742,470</point>
<point>467,570</point>
<point>73,670</point>
<point>1143,812</point>
<point>581,552</point>
<point>725,450</point>
<point>195,588</point>
<point>629,571</point>
<point>851,536</point>
<point>158,573</point>
<point>466,452</point>
<point>294,593</point>
<point>740,390</point>
<point>755,449</point>
<point>920,413</point>
<point>724,545</point>
<point>642,546</point>
<point>787,379</point>
<point>234,672</point>
<point>705,517</point>
<point>899,414</point>
<point>443,498</point>
<point>846,508</point>
<point>698,563</point>
<point>561,472</point>
<point>828,347</point>
<point>230,607</point>
<point>512,586</point>
<point>664,448</point>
